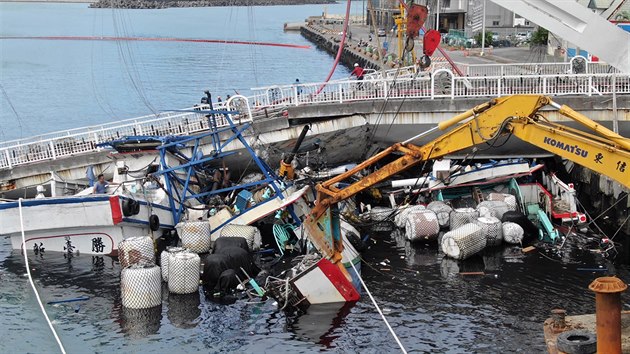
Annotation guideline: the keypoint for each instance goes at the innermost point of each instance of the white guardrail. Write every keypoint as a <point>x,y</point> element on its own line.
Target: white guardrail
<point>84,140</point>
<point>543,78</point>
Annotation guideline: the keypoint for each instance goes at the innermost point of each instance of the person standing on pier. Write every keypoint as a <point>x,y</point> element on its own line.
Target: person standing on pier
<point>358,72</point>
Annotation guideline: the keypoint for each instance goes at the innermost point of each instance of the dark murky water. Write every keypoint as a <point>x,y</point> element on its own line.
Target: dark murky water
<point>431,306</point>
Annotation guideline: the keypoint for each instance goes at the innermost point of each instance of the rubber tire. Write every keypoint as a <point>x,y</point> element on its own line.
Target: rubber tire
<point>127,207</point>
<point>583,342</point>
<point>136,207</point>
<point>154,222</point>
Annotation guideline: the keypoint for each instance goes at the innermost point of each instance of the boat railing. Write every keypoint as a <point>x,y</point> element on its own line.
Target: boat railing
<point>85,140</point>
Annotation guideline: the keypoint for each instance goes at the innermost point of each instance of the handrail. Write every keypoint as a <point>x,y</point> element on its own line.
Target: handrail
<point>441,83</point>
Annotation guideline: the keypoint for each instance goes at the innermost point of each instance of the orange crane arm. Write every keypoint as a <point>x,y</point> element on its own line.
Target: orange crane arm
<point>608,154</point>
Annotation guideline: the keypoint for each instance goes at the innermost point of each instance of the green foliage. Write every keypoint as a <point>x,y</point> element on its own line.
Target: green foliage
<point>488,38</point>
<point>539,37</point>
<point>623,16</point>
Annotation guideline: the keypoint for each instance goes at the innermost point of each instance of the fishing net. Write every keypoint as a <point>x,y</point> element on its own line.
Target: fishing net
<point>491,228</point>
<point>141,286</point>
<point>495,208</point>
<point>509,199</point>
<point>183,309</point>
<point>422,225</point>
<point>512,233</point>
<point>462,216</point>
<point>134,250</point>
<point>164,260</point>
<point>195,235</point>
<point>250,233</point>
<point>381,218</point>
<point>463,242</point>
<point>401,216</point>
<point>183,272</point>
<point>443,212</point>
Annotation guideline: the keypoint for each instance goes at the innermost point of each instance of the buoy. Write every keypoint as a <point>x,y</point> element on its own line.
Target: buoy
<point>509,199</point>
<point>183,272</point>
<point>164,260</point>
<point>495,208</point>
<point>382,218</point>
<point>443,212</point>
<point>134,250</point>
<point>141,286</point>
<point>512,233</point>
<point>422,225</point>
<point>195,235</point>
<point>250,233</point>
<point>401,216</point>
<point>463,242</point>
<point>462,216</point>
<point>491,227</point>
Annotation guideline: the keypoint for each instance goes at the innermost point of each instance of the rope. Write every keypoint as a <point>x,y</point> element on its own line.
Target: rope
<point>402,348</point>
<point>30,279</point>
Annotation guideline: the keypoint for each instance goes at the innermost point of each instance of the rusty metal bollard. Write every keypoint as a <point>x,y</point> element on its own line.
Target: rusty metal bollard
<point>558,316</point>
<point>608,313</point>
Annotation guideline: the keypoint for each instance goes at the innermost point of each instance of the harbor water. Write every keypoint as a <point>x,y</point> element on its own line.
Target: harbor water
<point>59,84</point>
<point>431,305</point>
<point>492,303</point>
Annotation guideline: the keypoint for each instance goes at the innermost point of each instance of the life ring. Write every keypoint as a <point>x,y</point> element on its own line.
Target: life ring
<point>154,222</point>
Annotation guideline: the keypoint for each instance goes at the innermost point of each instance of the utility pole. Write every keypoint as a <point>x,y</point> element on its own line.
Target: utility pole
<point>363,13</point>
<point>483,29</point>
<point>437,16</point>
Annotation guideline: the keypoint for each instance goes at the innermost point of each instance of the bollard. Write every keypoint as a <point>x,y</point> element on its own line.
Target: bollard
<point>558,318</point>
<point>608,313</point>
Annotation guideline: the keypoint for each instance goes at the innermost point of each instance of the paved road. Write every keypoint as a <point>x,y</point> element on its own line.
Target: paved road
<point>492,55</point>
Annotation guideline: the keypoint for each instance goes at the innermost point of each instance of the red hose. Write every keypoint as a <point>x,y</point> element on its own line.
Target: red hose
<point>340,50</point>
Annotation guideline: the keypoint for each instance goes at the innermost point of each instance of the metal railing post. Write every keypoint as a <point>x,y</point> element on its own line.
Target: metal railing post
<point>8,158</point>
<point>340,93</point>
<point>52,150</point>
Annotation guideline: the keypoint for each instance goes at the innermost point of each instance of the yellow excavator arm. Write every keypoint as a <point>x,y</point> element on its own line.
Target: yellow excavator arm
<point>607,153</point>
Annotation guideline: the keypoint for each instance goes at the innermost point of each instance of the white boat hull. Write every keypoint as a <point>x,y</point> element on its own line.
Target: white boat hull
<point>92,224</point>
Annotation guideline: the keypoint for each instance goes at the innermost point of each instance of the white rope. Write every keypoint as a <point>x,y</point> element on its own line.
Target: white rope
<point>30,278</point>
<point>391,330</point>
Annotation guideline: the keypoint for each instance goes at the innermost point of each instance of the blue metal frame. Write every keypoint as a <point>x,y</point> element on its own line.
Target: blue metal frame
<point>180,188</point>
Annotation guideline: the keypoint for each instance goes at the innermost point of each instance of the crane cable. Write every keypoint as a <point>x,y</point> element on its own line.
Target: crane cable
<point>30,279</point>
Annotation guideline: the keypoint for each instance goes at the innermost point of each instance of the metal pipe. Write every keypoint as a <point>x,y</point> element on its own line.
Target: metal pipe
<point>483,29</point>
<point>608,313</point>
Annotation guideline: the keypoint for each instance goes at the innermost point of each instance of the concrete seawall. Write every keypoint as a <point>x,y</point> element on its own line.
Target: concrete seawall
<point>329,41</point>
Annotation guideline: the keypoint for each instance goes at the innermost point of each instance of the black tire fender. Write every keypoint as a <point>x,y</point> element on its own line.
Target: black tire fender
<point>127,207</point>
<point>154,222</point>
<point>577,342</point>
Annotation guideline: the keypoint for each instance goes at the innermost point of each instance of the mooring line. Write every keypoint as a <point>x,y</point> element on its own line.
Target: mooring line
<point>30,279</point>
<point>391,330</point>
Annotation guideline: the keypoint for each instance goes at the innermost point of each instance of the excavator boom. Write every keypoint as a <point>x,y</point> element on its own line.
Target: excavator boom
<point>607,153</point>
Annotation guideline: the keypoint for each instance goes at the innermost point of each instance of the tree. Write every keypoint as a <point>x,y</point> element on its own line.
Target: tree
<point>540,36</point>
<point>488,38</point>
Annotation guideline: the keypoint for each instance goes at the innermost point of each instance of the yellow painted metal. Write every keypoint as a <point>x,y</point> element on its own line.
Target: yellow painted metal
<point>517,115</point>
<point>286,170</point>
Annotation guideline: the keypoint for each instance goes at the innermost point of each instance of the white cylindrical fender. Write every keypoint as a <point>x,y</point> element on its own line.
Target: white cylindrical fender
<point>141,286</point>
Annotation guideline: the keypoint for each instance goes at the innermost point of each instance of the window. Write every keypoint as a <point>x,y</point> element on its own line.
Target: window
<point>495,23</point>
<point>445,4</point>
<point>527,23</point>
